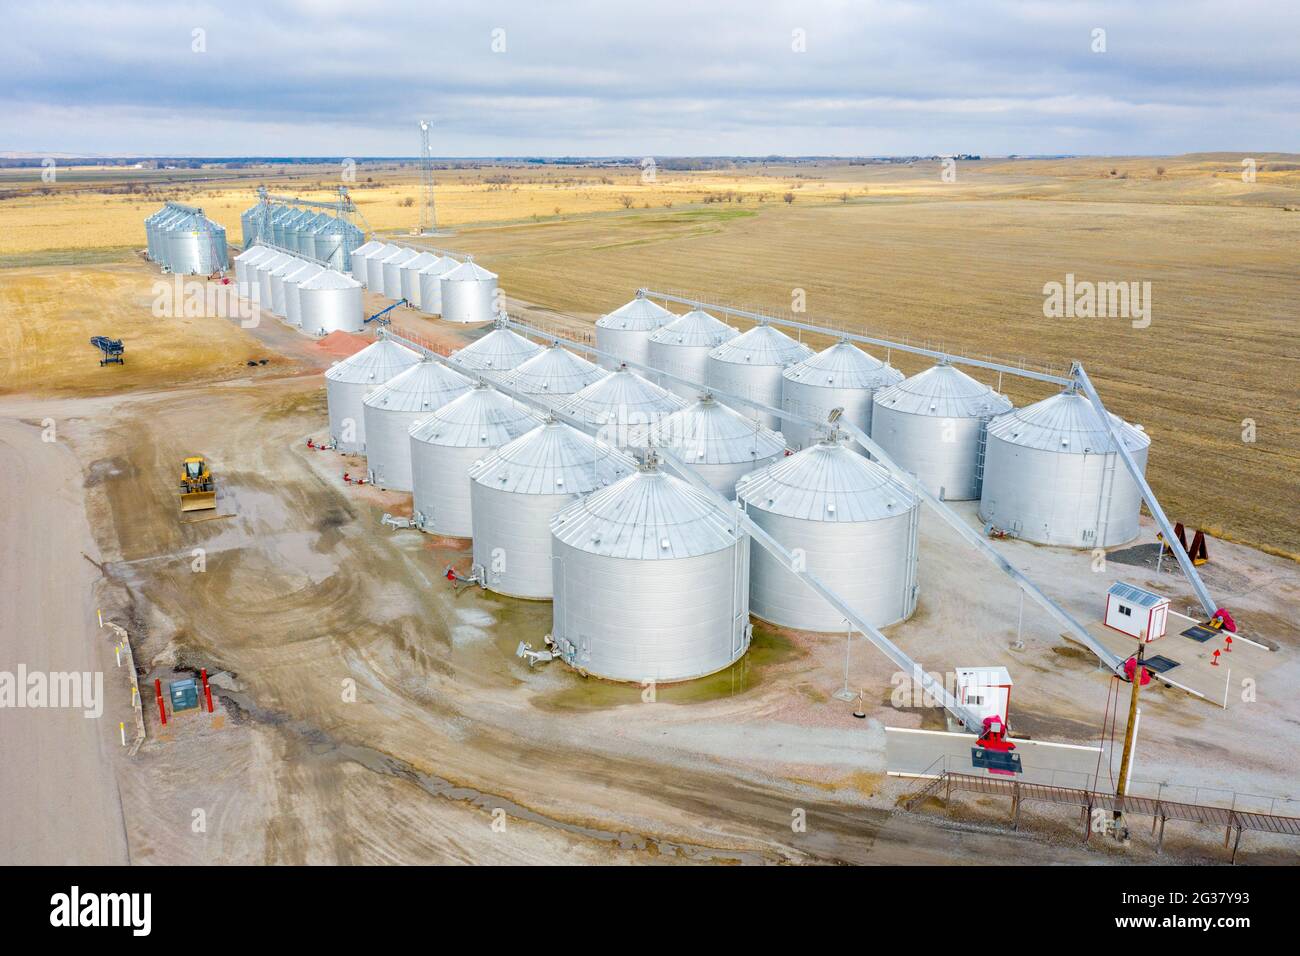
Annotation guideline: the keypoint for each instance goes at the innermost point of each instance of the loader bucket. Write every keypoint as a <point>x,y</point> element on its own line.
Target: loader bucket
<point>198,501</point>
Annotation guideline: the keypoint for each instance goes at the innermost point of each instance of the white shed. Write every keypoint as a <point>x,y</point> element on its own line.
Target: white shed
<point>1136,611</point>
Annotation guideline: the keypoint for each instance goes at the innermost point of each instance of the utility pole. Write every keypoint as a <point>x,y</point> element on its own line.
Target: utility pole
<point>1129,731</point>
<point>428,224</point>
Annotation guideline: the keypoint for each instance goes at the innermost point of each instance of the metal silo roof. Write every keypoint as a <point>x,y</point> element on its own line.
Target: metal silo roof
<point>254,254</point>
<point>622,392</point>
<point>761,345</point>
<point>552,459</point>
<point>439,266</point>
<point>377,363</point>
<point>404,256</point>
<point>1066,422</point>
<point>422,388</point>
<point>710,433</point>
<point>649,515</point>
<point>499,351</point>
<point>370,247</point>
<point>469,271</point>
<point>554,371</point>
<point>331,279</point>
<point>826,482</point>
<point>943,392</point>
<point>480,418</point>
<point>420,261</point>
<point>843,365</point>
<point>639,315</point>
<point>694,328</point>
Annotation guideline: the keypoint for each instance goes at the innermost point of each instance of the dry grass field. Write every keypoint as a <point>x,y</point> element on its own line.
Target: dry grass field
<point>891,250</point>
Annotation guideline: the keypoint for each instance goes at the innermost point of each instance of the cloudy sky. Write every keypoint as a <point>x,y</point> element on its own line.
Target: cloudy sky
<point>673,77</point>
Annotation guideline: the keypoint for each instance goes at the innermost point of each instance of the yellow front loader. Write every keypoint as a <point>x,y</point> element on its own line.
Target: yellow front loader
<point>198,488</point>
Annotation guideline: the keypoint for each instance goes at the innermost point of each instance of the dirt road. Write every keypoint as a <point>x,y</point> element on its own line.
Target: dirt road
<point>58,787</point>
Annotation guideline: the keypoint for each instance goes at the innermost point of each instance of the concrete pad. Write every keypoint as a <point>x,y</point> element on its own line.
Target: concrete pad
<point>928,753</point>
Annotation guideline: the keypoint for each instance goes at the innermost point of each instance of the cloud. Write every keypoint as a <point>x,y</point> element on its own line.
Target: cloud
<point>672,77</point>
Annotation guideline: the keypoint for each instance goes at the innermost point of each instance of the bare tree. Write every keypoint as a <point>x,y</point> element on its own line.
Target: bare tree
<point>626,201</point>
<point>789,198</point>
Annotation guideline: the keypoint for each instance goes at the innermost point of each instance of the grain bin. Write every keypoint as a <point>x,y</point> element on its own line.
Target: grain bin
<point>553,375</point>
<point>469,293</point>
<point>516,490</point>
<point>651,581</point>
<point>411,276</point>
<point>264,267</point>
<point>350,239</point>
<point>250,225</point>
<point>842,376</point>
<point>494,354</point>
<point>750,366</point>
<point>854,525</point>
<point>717,442</point>
<point>392,408</point>
<point>349,381</point>
<point>932,425</point>
<point>1052,474</point>
<point>151,233</point>
<point>293,229</point>
<point>431,284</point>
<point>280,215</point>
<point>446,444</point>
<point>682,348</point>
<point>375,269</point>
<point>393,272</point>
<point>308,230</point>
<point>358,259</point>
<point>277,274</point>
<point>293,293</point>
<point>246,270</point>
<point>623,405</point>
<point>196,245</point>
<point>625,332</point>
<point>330,302</point>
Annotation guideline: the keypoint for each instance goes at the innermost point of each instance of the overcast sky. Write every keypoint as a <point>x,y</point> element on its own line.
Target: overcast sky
<point>676,77</point>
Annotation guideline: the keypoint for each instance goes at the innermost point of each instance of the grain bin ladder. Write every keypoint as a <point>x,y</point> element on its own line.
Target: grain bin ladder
<point>1076,630</point>
<point>1077,377</point>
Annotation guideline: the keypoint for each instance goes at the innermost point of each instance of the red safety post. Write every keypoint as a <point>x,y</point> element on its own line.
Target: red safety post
<point>162,707</point>
<point>1214,658</point>
<point>207,691</point>
<point>1227,640</point>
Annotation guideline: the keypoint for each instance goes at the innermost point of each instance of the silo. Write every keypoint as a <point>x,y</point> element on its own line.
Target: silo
<point>279,219</point>
<point>264,267</point>
<point>842,376</point>
<point>446,444</point>
<point>1052,474</point>
<point>718,442</point>
<point>308,231</point>
<point>651,581</point>
<point>330,302</point>
<point>623,405</point>
<point>358,261</point>
<point>349,381</point>
<point>625,332</point>
<point>682,348</point>
<point>411,276</point>
<point>750,366</point>
<point>250,221</point>
<point>293,228</point>
<point>516,490</point>
<point>431,284</point>
<point>293,293</point>
<point>553,374</point>
<point>854,525</point>
<point>375,267</point>
<point>196,245</point>
<point>151,233</point>
<point>932,425</point>
<point>469,293</point>
<point>277,273</point>
<point>392,408</point>
<point>496,353</point>
<point>246,269</point>
<point>393,272</point>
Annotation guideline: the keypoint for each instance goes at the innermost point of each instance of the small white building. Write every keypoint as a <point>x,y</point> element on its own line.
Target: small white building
<point>986,691</point>
<point>1136,612</point>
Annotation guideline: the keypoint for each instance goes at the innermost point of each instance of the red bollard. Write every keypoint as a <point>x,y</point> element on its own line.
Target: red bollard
<point>1214,659</point>
<point>207,691</point>
<point>162,707</point>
